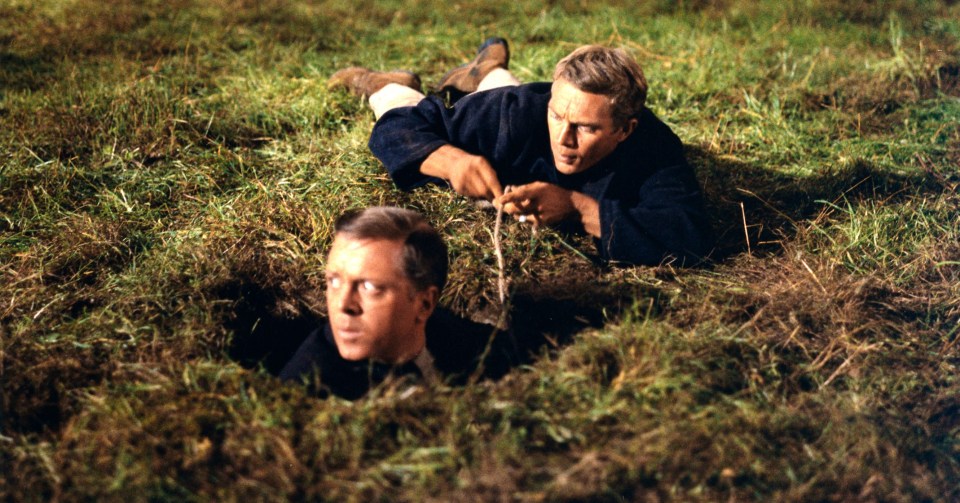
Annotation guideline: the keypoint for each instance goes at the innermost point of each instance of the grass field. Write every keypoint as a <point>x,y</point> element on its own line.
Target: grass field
<point>170,171</point>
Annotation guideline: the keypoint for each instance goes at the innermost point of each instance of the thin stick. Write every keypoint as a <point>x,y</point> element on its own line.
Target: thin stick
<point>746,234</point>
<point>502,284</point>
<point>815,278</point>
<point>498,250</point>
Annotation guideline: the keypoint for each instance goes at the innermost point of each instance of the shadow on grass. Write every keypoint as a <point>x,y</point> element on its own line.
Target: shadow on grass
<point>756,209</point>
<point>21,73</point>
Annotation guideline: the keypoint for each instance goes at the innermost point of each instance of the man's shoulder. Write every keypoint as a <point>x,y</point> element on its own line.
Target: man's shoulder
<point>652,135</point>
<point>319,363</point>
<point>650,123</point>
<point>651,147</point>
<point>530,88</point>
<point>315,348</point>
<point>536,87</point>
<point>524,95</point>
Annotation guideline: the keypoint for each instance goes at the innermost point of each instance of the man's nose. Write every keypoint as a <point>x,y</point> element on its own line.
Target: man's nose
<point>347,300</point>
<point>566,137</point>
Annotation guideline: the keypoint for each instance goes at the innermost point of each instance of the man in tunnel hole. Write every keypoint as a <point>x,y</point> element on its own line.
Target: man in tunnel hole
<point>582,153</point>
<point>384,275</point>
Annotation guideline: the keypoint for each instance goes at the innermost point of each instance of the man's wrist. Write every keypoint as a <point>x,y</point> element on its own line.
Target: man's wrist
<point>588,210</point>
<point>438,163</point>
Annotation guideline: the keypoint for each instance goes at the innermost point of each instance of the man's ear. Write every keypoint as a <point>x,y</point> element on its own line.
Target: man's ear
<point>628,129</point>
<point>426,302</point>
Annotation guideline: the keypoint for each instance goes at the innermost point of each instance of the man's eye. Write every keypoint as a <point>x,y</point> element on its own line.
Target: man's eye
<point>588,129</point>
<point>370,287</point>
<point>333,282</point>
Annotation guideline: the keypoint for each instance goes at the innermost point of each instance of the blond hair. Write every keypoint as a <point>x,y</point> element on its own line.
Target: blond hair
<point>608,72</point>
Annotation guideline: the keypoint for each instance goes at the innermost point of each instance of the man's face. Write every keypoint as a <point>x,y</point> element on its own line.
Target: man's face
<point>581,125</point>
<point>375,311</point>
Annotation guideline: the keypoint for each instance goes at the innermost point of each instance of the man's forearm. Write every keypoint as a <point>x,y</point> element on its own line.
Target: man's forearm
<point>441,161</point>
<point>469,175</point>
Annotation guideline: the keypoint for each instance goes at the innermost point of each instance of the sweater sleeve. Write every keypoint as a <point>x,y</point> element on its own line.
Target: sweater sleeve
<point>650,210</point>
<point>493,124</point>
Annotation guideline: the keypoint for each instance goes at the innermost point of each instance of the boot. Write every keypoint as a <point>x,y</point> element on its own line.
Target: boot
<point>493,53</point>
<point>364,82</point>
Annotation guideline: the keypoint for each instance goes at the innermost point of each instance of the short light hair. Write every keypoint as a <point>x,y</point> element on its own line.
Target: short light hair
<point>424,257</point>
<point>608,72</point>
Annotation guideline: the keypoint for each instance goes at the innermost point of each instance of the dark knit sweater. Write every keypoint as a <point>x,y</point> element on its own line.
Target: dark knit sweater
<point>651,207</point>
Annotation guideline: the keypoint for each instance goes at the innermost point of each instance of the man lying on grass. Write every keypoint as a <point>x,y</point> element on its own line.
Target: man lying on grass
<point>582,153</point>
<point>384,273</point>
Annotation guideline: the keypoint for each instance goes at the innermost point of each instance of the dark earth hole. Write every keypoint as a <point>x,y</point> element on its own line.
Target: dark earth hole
<point>263,334</point>
<point>266,336</point>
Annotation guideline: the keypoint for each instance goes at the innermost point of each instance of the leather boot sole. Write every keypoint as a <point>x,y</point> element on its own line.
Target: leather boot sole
<point>493,53</point>
<point>363,82</point>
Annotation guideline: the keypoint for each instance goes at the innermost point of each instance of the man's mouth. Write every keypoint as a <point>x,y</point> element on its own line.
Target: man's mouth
<point>349,332</point>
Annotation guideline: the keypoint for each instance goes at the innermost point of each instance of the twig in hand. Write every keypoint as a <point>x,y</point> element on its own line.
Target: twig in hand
<point>498,250</point>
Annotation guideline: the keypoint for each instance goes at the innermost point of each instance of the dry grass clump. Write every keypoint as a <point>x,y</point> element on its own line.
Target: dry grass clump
<point>147,415</point>
<point>874,109</point>
<point>831,303</point>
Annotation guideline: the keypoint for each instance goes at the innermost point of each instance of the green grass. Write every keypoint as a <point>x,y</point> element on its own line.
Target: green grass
<point>170,172</point>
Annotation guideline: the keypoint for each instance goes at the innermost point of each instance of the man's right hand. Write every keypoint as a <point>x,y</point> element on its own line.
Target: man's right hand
<point>469,175</point>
